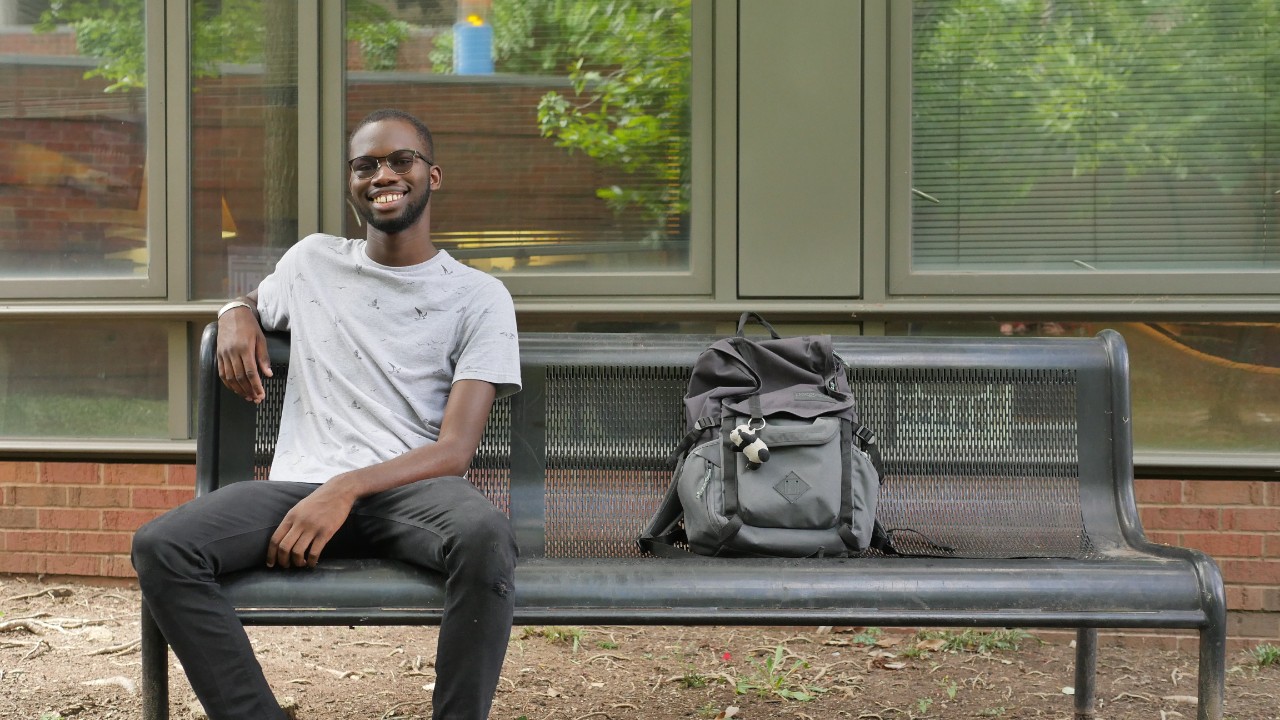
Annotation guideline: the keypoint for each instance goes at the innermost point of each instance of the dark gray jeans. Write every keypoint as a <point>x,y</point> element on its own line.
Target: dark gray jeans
<point>443,524</point>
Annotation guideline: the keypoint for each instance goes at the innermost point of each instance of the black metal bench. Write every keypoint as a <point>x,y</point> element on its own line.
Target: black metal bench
<point>1016,452</point>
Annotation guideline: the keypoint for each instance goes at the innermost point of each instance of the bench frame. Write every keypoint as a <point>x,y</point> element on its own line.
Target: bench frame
<point>1128,582</point>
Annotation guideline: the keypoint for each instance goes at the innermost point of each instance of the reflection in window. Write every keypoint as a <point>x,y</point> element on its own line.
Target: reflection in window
<point>1196,387</point>
<point>1080,136</point>
<point>562,127</point>
<point>72,140</point>
<point>244,142</point>
<point>83,379</point>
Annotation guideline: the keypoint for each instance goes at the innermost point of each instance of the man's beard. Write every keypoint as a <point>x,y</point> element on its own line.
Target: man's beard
<point>400,223</point>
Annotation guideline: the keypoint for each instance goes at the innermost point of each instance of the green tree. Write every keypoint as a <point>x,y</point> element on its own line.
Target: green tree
<point>629,65</point>
<point>630,107</point>
<point>113,33</point>
<point>223,31</point>
<point>628,62</point>
<point>1099,83</point>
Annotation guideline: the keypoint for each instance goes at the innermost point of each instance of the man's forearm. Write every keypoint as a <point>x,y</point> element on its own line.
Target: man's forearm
<point>430,461</point>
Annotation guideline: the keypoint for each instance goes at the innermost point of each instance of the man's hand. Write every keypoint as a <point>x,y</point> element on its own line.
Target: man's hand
<point>242,354</point>
<point>309,526</point>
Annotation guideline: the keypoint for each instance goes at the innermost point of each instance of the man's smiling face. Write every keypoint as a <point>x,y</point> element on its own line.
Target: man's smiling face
<point>387,201</point>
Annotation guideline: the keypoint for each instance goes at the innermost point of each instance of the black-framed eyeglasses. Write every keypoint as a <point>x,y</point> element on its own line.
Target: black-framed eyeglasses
<point>400,162</point>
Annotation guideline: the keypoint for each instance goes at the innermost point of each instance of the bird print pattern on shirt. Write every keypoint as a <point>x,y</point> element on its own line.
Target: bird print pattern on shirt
<point>363,328</point>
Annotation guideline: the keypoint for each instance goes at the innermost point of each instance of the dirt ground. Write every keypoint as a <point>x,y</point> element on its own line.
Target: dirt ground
<point>71,651</point>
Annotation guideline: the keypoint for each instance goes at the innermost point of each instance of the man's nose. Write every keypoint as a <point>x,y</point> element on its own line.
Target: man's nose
<point>383,173</point>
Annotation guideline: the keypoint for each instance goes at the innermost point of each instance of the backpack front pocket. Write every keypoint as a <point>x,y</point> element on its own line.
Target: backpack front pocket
<point>799,486</point>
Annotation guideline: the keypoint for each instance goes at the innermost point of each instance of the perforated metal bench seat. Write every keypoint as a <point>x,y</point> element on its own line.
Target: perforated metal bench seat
<point>1015,452</point>
<point>866,591</point>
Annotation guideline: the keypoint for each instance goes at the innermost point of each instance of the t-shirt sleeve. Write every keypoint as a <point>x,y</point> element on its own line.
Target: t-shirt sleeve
<point>275,291</point>
<point>489,347</point>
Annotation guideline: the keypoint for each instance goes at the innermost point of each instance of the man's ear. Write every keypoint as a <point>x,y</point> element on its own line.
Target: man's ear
<point>437,177</point>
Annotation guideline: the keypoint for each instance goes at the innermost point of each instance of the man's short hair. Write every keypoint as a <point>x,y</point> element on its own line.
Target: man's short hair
<point>424,133</point>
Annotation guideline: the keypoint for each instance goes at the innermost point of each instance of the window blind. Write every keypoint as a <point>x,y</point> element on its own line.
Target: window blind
<point>1083,136</point>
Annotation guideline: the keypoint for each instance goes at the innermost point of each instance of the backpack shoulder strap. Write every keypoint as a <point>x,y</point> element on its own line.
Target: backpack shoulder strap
<point>664,529</point>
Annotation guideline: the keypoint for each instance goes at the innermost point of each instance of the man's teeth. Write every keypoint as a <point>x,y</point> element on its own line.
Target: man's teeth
<point>384,199</point>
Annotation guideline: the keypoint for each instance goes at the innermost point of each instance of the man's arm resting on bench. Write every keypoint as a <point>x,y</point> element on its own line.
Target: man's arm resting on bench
<point>242,349</point>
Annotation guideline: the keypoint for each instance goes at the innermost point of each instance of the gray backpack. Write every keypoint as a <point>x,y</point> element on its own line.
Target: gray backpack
<point>775,463</point>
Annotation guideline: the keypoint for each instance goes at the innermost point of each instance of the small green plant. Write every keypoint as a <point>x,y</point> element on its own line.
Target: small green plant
<point>772,677</point>
<point>868,636</point>
<point>992,712</point>
<point>1265,655</point>
<point>692,679</point>
<point>971,640</point>
<point>710,709</point>
<point>557,634</point>
<point>380,42</point>
<point>1003,639</point>
<point>923,704</point>
<point>607,645</point>
<point>951,687</point>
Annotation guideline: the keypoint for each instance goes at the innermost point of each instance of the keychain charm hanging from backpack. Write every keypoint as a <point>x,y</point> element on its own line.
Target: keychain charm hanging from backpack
<point>746,441</point>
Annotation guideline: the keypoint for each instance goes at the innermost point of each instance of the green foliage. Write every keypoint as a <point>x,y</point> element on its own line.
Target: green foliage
<point>556,634</point>
<point>1265,655</point>
<point>951,687</point>
<point>226,31</point>
<point>692,679</point>
<point>379,42</point>
<point>773,677</point>
<point>630,108</point>
<point>971,640</point>
<point>868,636</point>
<point>113,32</point>
<point>629,65</point>
<point>628,62</point>
<point>378,32</point>
<point>1126,86</point>
<point>923,704</point>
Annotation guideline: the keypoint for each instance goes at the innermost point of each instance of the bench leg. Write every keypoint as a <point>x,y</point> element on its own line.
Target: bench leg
<point>1213,669</point>
<point>1086,672</point>
<point>155,669</point>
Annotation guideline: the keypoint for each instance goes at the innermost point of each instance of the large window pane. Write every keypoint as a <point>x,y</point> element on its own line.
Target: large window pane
<point>562,127</point>
<point>1197,387</point>
<point>244,142</point>
<point>72,141</point>
<point>79,379</point>
<point>1081,137</point>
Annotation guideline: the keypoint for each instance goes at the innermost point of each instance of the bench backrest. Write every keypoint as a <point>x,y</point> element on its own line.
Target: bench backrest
<point>1005,447</point>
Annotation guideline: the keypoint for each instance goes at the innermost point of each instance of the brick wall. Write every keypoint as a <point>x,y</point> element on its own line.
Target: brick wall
<point>76,519</point>
<point>1238,524</point>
